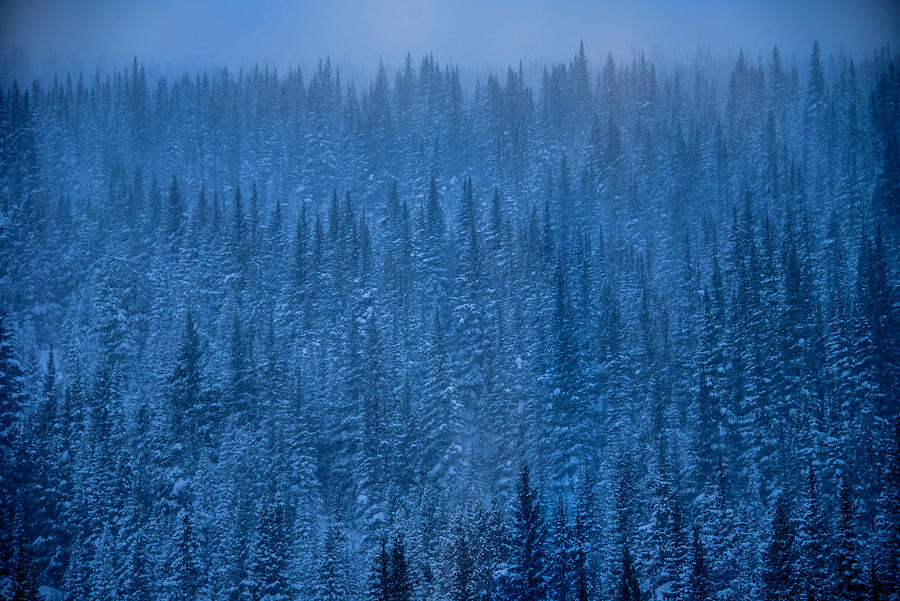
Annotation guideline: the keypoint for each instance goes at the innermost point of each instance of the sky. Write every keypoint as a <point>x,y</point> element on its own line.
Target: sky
<point>45,37</point>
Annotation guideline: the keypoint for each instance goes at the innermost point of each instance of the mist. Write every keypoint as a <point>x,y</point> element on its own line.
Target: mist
<point>619,322</point>
<point>57,36</point>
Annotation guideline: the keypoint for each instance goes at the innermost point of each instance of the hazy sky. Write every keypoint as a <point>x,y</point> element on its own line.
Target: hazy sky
<point>42,36</point>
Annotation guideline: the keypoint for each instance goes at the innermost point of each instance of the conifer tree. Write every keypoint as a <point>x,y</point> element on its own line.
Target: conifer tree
<point>186,577</point>
<point>779,575</point>
<point>12,398</point>
<point>848,565</point>
<point>628,588</point>
<point>812,563</point>
<point>699,584</point>
<point>187,411</point>
<point>380,577</point>
<point>400,586</point>
<point>463,570</point>
<point>528,569</point>
<point>330,581</point>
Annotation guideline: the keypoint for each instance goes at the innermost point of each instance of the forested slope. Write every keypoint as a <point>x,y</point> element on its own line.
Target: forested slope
<point>624,330</point>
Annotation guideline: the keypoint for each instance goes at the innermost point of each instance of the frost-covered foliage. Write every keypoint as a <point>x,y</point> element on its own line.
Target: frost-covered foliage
<point>628,332</point>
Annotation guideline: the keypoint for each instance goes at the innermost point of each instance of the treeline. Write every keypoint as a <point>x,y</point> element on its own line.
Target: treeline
<point>629,335</point>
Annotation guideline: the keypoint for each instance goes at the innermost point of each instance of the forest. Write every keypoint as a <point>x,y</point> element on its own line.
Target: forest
<point>610,328</point>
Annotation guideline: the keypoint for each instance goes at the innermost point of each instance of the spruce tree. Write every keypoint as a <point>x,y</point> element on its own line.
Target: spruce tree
<point>186,576</point>
<point>380,577</point>
<point>847,562</point>
<point>811,539</point>
<point>187,410</point>
<point>527,543</point>
<point>628,587</point>
<point>12,399</point>
<point>779,572</point>
<point>400,586</point>
<point>699,586</point>
<point>463,571</point>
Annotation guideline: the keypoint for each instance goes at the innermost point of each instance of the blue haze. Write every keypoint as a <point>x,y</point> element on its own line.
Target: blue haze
<point>417,301</point>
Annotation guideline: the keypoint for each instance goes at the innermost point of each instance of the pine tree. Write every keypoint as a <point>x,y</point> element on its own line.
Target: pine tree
<point>103,566</point>
<point>779,580</point>
<point>24,584</point>
<point>186,574</point>
<point>154,205</point>
<point>812,563</point>
<point>137,583</point>
<point>668,547</point>
<point>12,398</point>
<point>174,212</point>
<point>400,587</point>
<point>381,575</point>
<point>462,587</point>
<point>187,411</point>
<point>239,240</point>
<point>628,588</point>
<point>888,521</point>
<point>331,582</point>
<point>528,569</point>
<point>848,566</point>
<point>565,381</point>
<point>699,586</point>
<point>269,556</point>
<point>440,414</point>
<point>580,567</point>
<point>23,574</point>
<point>469,364</point>
<point>241,382</point>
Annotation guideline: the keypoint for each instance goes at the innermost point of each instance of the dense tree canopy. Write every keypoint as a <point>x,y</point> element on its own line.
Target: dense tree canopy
<point>603,330</point>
